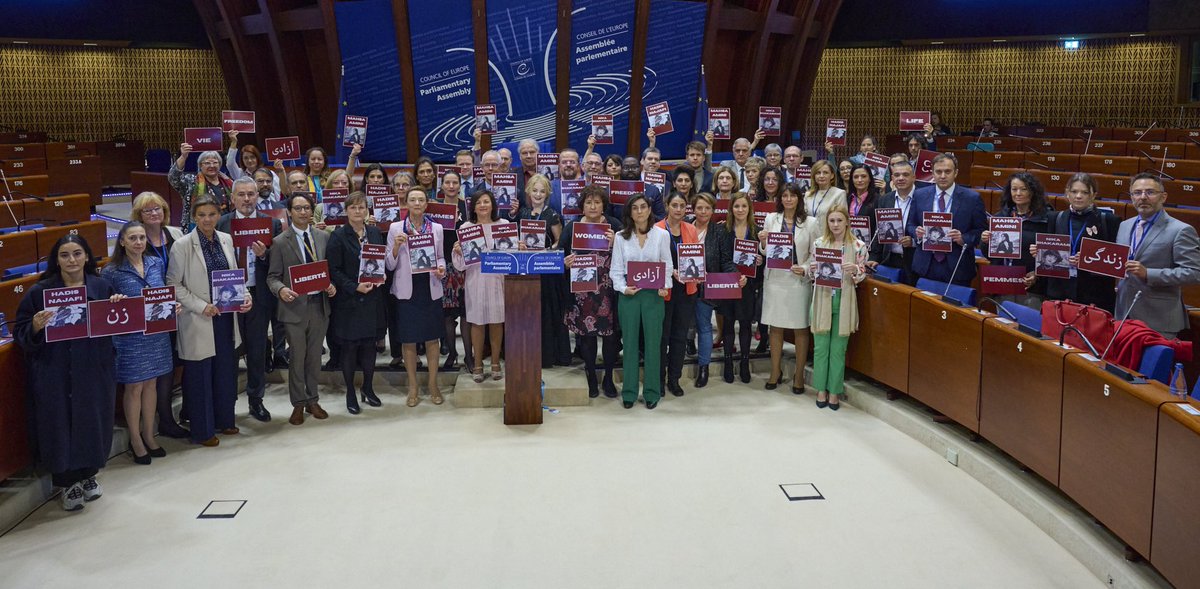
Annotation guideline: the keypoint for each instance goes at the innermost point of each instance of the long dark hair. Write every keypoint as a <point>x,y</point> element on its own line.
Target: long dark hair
<point>761,189</point>
<point>417,167</point>
<point>872,189</point>
<point>475,203</point>
<point>627,215</point>
<point>1037,194</point>
<point>801,212</point>
<point>371,168</point>
<point>52,267</point>
<point>118,254</point>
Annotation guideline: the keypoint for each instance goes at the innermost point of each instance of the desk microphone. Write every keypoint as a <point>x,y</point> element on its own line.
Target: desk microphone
<point>1087,342</point>
<point>946,298</point>
<point>1025,329</point>
<point>1109,366</point>
<point>1143,133</point>
<point>9,198</point>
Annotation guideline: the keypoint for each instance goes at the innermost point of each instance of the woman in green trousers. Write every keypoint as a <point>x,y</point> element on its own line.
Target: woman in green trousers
<point>835,310</point>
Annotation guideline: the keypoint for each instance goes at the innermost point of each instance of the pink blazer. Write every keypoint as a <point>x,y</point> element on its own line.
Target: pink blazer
<point>397,261</point>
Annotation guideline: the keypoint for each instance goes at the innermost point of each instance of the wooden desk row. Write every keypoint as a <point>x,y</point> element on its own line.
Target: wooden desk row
<point>1183,148</point>
<point>1101,440</point>
<point>52,210</point>
<point>75,167</point>
<point>28,247</point>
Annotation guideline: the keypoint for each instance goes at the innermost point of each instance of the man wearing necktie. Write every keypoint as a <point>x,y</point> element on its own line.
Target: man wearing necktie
<point>253,325</point>
<point>1164,256</point>
<point>305,317</point>
<point>741,154</point>
<point>967,224</point>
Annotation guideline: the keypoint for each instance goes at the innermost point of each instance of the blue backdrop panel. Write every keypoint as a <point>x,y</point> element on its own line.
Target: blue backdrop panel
<point>673,67</point>
<point>371,79</point>
<point>521,63</point>
<point>444,70</point>
<point>601,58</point>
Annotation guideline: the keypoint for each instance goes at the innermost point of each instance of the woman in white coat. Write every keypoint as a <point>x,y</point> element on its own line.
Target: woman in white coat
<point>788,292</point>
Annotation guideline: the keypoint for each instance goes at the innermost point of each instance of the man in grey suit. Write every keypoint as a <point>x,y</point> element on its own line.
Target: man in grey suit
<point>253,325</point>
<point>1164,255</point>
<point>305,317</point>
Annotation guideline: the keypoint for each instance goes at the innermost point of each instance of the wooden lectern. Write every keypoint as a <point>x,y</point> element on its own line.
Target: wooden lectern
<point>523,349</point>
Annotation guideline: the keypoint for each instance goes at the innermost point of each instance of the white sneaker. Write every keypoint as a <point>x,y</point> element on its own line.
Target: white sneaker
<point>72,497</point>
<point>91,489</point>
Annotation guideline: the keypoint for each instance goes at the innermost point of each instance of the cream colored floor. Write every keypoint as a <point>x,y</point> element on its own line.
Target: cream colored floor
<point>683,496</point>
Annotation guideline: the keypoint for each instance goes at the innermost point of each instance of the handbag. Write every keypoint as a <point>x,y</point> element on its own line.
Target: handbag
<point>1095,323</point>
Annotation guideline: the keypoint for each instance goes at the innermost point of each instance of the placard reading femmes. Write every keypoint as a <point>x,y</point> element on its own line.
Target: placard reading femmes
<point>443,214</point>
<point>1004,239</point>
<point>310,278</point>
<point>241,121</point>
<point>127,315</point>
<point>829,267</point>
<point>547,165</point>
<point>890,224</point>
<point>720,210</point>
<point>354,130</point>
<point>602,129</point>
<point>995,279</point>
<point>370,263</point>
<point>69,313</point>
<point>718,122</point>
<point>283,148</point>
<point>160,309</point>
<point>247,231</point>
<point>659,117</point>
<point>835,131</point>
<point>780,248</point>
<point>620,191</point>
<point>203,138</point>
<point>585,273</point>
<point>770,120</point>
<point>504,188</point>
<point>590,237</point>
<point>485,118</point>
<point>228,289</point>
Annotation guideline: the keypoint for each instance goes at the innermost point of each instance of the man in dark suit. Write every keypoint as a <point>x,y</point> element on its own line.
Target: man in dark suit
<point>897,255</point>
<point>631,169</point>
<point>968,223</point>
<point>700,159</point>
<point>306,317</point>
<point>1164,256</point>
<point>253,325</point>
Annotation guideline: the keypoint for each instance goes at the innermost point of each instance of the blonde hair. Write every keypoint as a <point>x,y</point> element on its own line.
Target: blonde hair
<point>756,162</point>
<point>334,175</point>
<point>817,165</point>
<point>538,180</point>
<point>841,209</point>
<point>149,199</point>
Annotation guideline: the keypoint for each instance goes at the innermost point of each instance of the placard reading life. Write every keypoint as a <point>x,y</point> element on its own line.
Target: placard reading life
<point>718,122</point>
<point>310,278</point>
<point>1103,257</point>
<point>745,256</point>
<point>937,231</point>
<point>651,275</point>
<point>69,308</point>
<point>241,121</point>
<point>914,120</point>
<point>602,129</point>
<point>533,234</point>
<point>890,225</point>
<point>691,262</point>
<point>106,318</point>
<point>829,267</point>
<point>228,289</point>
<point>835,131</point>
<point>585,273</point>
<point>1053,251</point>
<point>779,250</point>
<point>354,130</point>
<point>370,263</point>
<point>659,117</point>
<point>485,119</point>
<point>1004,240</point>
<point>283,148</point>
<point>472,244</point>
<point>247,231</point>
<point>160,309</point>
<point>770,120</point>
<point>569,191</point>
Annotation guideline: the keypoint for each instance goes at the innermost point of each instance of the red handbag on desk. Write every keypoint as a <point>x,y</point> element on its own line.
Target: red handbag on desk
<point>1095,323</point>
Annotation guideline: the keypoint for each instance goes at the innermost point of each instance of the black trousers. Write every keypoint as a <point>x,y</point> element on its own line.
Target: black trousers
<point>253,327</point>
<point>680,316</point>
<point>70,477</point>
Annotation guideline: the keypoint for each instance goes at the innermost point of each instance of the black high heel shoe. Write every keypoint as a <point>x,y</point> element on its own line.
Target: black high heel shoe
<point>822,404</point>
<point>370,398</point>
<point>772,385</point>
<point>352,403</point>
<point>144,459</point>
<point>451,361</point>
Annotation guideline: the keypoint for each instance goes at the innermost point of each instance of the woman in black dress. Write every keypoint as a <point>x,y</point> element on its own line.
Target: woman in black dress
<point>556,344</point>
<point>72,385</point>
<point>358,317</point>
<point>593,314</point>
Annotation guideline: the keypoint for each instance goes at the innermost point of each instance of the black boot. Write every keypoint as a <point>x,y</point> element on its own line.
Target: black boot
<point>352,403</point>
<point>701,376</point>
<point>673,386</point>
<point>727,373</point>
<point>610,389</point>
<point>593,386</point>
<point>744,368</point>
<point>369,397</point>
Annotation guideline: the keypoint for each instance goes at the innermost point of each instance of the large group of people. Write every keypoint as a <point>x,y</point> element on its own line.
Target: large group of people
<point>432,298</point>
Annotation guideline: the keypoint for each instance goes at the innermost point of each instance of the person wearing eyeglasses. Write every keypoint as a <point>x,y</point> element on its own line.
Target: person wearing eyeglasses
<point>1164,256</point>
